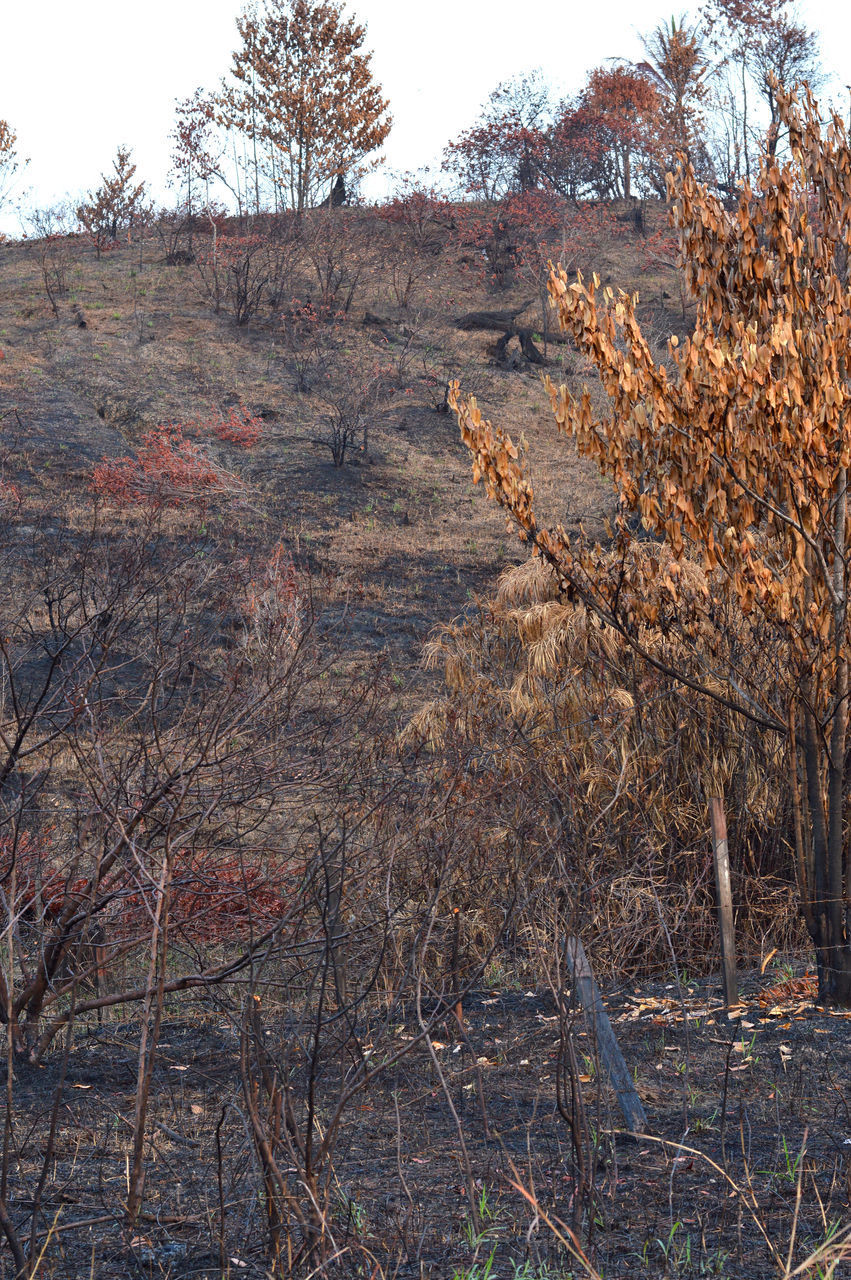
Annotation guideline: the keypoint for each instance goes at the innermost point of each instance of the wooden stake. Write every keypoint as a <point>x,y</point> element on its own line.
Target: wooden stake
<point>724,899</point>
<point>588,994</point>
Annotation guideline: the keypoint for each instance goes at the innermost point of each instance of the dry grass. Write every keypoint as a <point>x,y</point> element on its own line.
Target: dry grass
<point>399,541</point>
<point>615,762</point>
<point>546,784</point>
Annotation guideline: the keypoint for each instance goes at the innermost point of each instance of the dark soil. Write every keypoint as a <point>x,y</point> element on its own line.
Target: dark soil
<point>743,1113</point>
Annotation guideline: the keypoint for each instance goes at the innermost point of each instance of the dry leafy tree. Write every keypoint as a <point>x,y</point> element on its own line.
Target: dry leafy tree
<point>115,204</point>
<point>501,152</point>
<point>9,161</point>
<point>625,105</point>
<point>730,463</point>
<point>304,88</point>
<point>196,154</point>
<point>762,43</point>
<point>785,54</point>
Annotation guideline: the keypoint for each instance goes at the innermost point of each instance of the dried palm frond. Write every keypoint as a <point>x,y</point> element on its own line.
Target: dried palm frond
<point>596,763</point>
<point>530,582</point>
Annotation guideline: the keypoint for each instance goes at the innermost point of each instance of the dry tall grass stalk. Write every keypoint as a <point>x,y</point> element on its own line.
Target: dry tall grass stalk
<point>615,760</point>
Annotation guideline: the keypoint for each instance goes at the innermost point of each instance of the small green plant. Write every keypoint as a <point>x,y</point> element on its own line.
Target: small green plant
<point>486,1215</point>
<point>476,1271</point>
<point>526,1271</point>
<point>791,1164</point>
<point>355,1215</point>
<point>498,977</point>
<point>700,1124</point>
<point>677,1254</point>
<point>748,1050</point>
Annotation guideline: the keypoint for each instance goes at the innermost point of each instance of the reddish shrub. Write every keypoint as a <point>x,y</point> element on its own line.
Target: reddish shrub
<point>169,470</point>
<point>220,897</point>
<point>10,493</point>
<point>216,896</point>
<point>240,427</point>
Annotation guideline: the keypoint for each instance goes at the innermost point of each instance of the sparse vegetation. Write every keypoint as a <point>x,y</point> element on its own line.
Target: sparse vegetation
<point>285,979</point>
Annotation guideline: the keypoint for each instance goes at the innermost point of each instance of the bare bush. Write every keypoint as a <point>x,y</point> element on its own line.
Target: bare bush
<point>235,272</point>
<point>240,274</point>
<point>154,754</point>
<point>417,221</point>
<point>173,229</point>
<point>308,336</point>
<point>350,397</point>
<point>337,250</point>
<point>51,229</point>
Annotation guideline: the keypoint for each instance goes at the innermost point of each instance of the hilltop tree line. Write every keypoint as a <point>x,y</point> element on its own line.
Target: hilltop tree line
<point>706,89</point>
<point>300,118</point>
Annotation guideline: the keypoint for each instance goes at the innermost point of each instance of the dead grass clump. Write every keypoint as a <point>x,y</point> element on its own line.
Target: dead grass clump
<point>614,758</point>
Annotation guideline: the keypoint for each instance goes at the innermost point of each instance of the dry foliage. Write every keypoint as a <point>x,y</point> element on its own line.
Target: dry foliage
<point>114,206</point>
<point>304,86</point>
<point>733,457</point>
<point>607,761</point>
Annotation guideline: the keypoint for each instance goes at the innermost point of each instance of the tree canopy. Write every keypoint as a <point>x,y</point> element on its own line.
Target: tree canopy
<point>303,84</point>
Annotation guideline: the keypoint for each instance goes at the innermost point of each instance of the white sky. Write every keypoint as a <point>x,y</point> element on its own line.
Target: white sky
<point>77,79</point>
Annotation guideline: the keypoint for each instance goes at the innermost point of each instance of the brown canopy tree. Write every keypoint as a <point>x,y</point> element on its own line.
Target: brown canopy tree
<point>731,460</point>
<point>625,104</point>
<point>304,88</point>
<point>9,162</point>
<point>116,204</point>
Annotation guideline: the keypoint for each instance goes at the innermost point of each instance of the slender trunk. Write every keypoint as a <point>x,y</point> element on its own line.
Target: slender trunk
<point>745,119</point>
<point>803,858</point>
<point>14,1242</point>
<point>237,179</point>
<point>838,741</point>
<point>149,1040</point>
<point>838,956</point>
<point>815,805</point>
<point>189,204</point>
